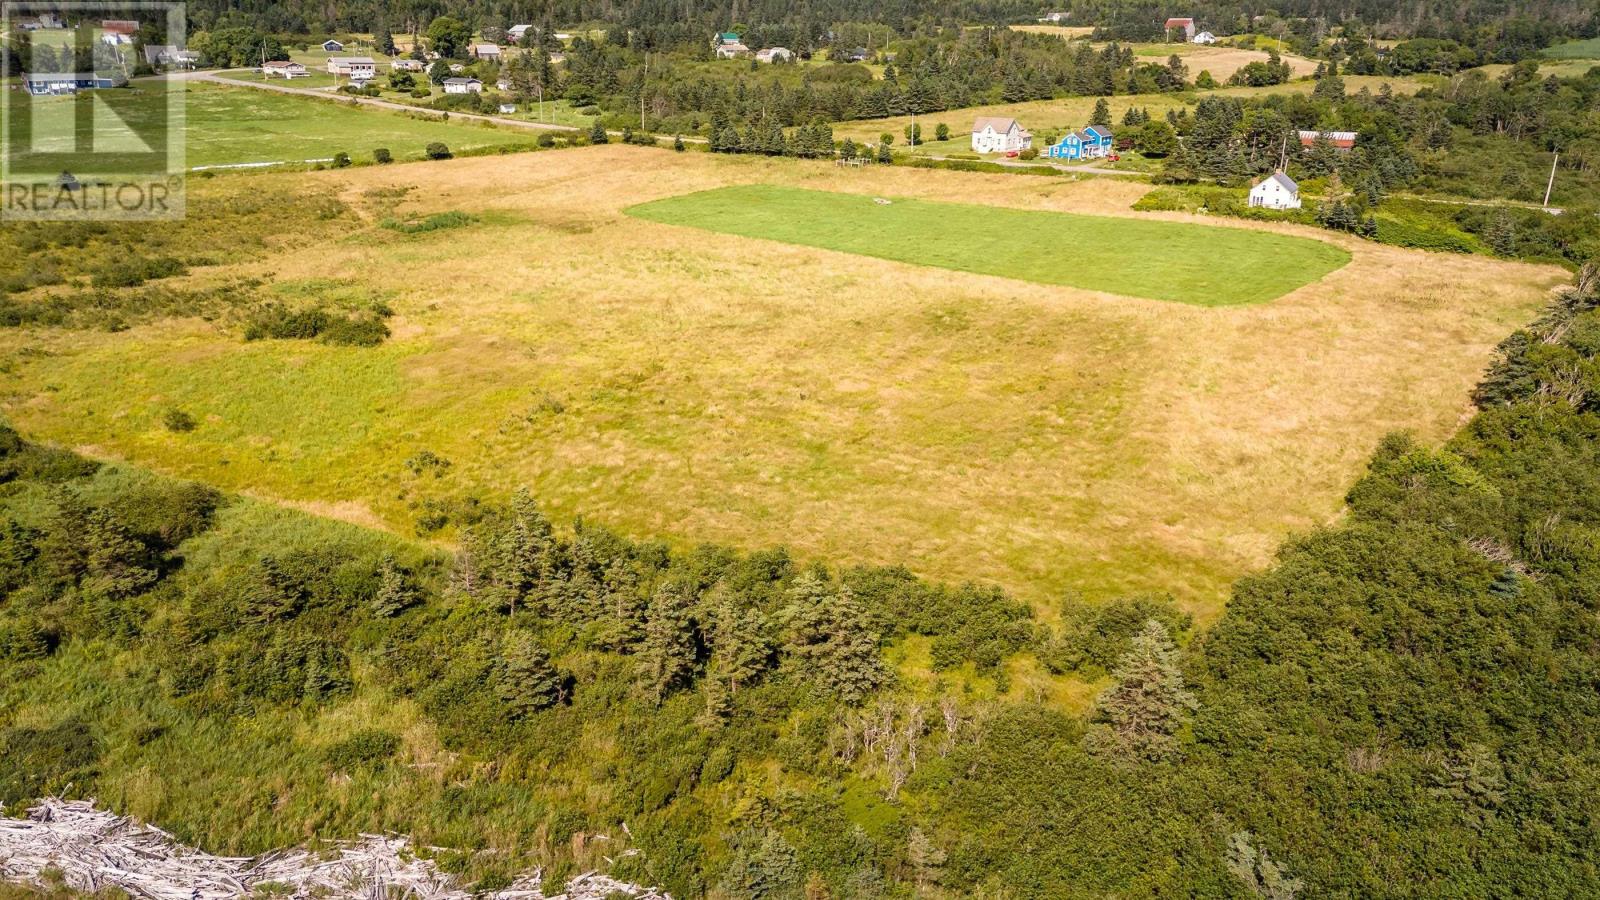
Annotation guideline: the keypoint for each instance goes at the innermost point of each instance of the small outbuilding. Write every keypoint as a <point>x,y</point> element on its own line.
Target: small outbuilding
<point>1276,191</point>
<point>332,46</point>
<point>284,68</point>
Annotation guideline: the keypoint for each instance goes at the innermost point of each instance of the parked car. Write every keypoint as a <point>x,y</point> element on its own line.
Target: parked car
<point>1011,154</point>
<point>1115,157</point>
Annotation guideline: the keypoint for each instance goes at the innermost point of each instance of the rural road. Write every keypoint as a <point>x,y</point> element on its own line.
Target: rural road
<point>1028,164</point>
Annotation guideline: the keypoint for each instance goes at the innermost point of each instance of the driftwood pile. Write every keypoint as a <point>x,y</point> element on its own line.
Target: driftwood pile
<point>94,849</point>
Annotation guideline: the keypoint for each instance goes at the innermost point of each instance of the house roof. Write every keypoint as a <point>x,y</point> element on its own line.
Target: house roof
<point>352,60</point>
<point>1179,23</point>
<point>280,64</point>
<point>485,48</point>
<point>1344,140</point>
<point>1096,131</point>
<point>46,77</point>
<point>119,26</point>
<point>728,37</point>
<point>1285,182</point>
<point>1000,124</point>
<point>462,81</point>
<point>518,29</point>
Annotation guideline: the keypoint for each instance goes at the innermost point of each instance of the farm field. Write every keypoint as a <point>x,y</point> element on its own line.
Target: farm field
<point>1221,62</point>
<point>1196,264</point>
<point>1589,49</point>
<point>231,126</point>
<point>553,112</point>
<point>1073,112</point>
<point>690,386</point>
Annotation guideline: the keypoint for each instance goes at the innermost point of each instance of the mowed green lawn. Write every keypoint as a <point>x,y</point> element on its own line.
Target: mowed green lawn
<point>241,125</point>
<point>1197,264</point>
<point>228,126</point>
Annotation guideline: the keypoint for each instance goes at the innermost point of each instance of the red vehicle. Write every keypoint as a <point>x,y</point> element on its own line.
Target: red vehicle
<point>1011,154</point>
<point>1115,157</point>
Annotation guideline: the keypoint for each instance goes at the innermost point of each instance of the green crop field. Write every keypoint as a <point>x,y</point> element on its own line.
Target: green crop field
<point>1187,263</point>
<point>1589,49</point>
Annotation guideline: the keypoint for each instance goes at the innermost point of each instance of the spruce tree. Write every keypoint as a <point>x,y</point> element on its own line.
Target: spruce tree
<point>1138,717</point>
<point>666,656</point>
<point>395,590</point>
<point>829,638</point>
<point>383,40</point>
<point>529,682</point>
<point>1102,113</point>
<point>119,565</point>
<point>597,133</point>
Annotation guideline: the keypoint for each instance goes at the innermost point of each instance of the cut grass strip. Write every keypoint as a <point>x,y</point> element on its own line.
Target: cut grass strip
<point>1186,263</point>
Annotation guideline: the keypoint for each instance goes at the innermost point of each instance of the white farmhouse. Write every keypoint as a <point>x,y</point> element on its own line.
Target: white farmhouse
<point>463,86</point>
<point>1277,191</point>
<point>996,134</point>
<point>359,68</point>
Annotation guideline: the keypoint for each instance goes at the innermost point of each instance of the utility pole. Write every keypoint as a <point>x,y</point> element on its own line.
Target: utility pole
<point>1551,185</point>
<point>643,80</point>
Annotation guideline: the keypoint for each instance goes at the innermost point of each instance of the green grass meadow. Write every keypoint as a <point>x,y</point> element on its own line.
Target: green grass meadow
<point>228,126</point>
<point>1589,49</point>
<point>1195,264</point>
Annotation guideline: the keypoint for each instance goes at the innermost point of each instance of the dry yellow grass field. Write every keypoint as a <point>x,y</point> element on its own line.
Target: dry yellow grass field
<point>690,386</point>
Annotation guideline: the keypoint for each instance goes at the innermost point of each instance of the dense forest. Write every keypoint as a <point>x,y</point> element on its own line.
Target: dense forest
<point>1404,704</point>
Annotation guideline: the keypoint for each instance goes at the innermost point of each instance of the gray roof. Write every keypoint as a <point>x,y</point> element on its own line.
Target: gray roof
<point>1287,182</point>
<point>462,81</point>
<point>1001,124</point>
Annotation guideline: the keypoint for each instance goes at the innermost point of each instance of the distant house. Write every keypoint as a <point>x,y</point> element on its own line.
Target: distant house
<point>463,86</point>
<point>116,39</point>
<point>284,68</point>
<point>405,65</point>
<point>731,51</point>
<point>332,46</point>
<point>1204,37</point>
<point>1093,142</point>
<point>457,68</point>
<point>484,51</point>
<point>774,55</point>
<point>45,84</point>
<point>1056,17</point>
<point>358,68</point>
<point>503,84</point>
<point>1184,25</point>
<point>122,28</point>
<point>517,32</point>
<point>170,56</point>
<point>1341,140</point>
<point>507,109</point>
<point>1277,191</point>
<point>996,134</point>
<point>858,54</point>
<point>725,37</point>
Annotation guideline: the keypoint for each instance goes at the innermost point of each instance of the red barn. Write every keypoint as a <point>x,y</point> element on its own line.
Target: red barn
<point>1341,140</point>
<point>1184,25</point>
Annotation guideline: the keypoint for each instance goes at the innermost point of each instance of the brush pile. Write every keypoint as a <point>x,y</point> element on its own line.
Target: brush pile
<point>91,849</point>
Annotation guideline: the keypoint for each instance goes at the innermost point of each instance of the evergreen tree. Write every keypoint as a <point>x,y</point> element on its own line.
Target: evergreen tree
<point>829,638</point>
<point>677,143</point>
<point>1102,113</point>
<point>119,564</point>
<point>383,40</point>
<point>1140,714</point>
<point>666,657</point>
<point>528,680</point>
<point>926,858</point>
<point>395,590</point>
<point>597,133</point>
<point>1501,233</point>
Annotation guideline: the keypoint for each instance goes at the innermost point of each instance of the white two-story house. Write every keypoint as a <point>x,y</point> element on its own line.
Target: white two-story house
<point>994,134</point>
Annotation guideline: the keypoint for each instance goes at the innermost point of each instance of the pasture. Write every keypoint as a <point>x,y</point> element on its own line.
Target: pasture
<point>1186,263</point>
<point>686,385</point>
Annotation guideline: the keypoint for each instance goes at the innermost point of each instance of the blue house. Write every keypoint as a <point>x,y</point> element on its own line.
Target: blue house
<point>1092,142</point>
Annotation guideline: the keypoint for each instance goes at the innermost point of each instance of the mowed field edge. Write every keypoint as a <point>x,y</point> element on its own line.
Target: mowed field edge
<point>1155,260</point>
